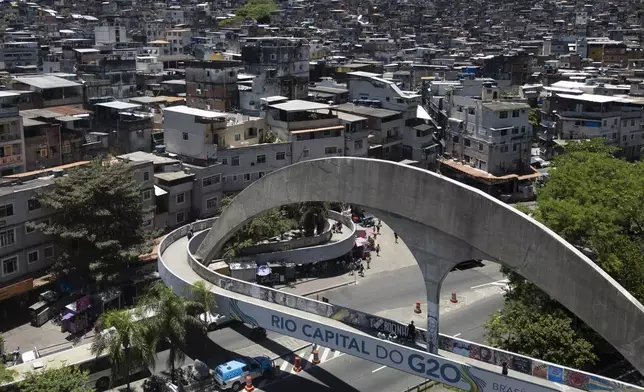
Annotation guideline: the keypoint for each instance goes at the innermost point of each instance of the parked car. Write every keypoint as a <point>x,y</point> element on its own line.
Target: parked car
<point>215,321</point>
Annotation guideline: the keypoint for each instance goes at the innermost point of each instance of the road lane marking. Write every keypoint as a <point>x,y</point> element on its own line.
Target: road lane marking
<point>457,335</point>
<point>337,354</point>
<point>380,368</point>
<point>501,283</point>
<point>284,365</point>
<point>325,354</point>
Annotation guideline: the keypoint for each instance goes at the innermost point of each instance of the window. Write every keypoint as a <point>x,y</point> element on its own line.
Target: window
<point>261,174</point>
<point>7,237</point>
<point>181,217</point>
<point>234,177</point>
<point>624,138</point>
<point>503,114</point>
<point>234,161</point>
<point>246,177</point>
<point>357,145</point>
<point>467,142</point>
<point>632,123</point>
<point>504,148</point>
<point>470,111</point>
<point>523,129</point>
<point>306,153</point>
<point>454,139</point>
<point>43,152</point>
<point>211,203</point>
<point>280,156</point>
<point>32,257</point>
<point>480,146</point>
<point>261,159</point>
<point>224,178</point>
<point>147,194</point>
<point>207,181</point>
<point>10,265</point>
<point>237,137</point>
<point>6,210</point>
<point>515,130</point>
<point>146,176</point>
<point>185,136</point>
<point>515,113</point>
<point>504,132</point>
<point>33,204</point>
<point>181,198</point>
<point>224,161</point>
<point>252,132</point>
<point>330,150</point>
<point>28,230</point>
<point>516,147</point>
<point>460,109</point>
<point>49,252</point>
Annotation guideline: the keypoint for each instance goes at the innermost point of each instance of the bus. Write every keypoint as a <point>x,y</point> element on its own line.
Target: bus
<point>98,366</point>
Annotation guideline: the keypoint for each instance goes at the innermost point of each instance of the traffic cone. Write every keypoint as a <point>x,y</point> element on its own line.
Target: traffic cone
<point>453,299</point>
<point>297,364</point>
<point>316,357</point>
<point>417,308</point>
<point>249,384</point>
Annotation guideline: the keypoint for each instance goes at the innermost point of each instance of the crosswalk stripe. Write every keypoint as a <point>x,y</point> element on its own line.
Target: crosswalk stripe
<point>284,365</point>
<point>325,354</point>
<point>337,354</point>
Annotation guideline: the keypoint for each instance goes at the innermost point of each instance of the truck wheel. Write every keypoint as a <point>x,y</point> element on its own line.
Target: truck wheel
<point>102,384</point>
<point>236,386</point>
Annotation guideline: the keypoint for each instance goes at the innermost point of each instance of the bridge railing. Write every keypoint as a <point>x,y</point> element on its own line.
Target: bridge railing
<point>364,321</point>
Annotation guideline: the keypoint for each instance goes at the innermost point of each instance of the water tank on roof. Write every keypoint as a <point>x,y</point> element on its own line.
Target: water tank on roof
<point>159,148</point>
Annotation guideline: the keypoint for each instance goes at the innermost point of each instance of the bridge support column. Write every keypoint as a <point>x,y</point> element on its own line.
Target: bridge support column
<point>433,298</point>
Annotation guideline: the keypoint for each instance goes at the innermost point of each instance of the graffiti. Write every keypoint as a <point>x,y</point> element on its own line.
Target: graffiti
<point>432,327</point>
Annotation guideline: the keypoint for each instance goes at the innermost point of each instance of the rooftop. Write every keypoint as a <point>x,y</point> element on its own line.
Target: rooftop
<point>298,105</point>
<point>140,156</point>
<point>589,97</point>
<point>498,106</point>
<point>46,82</point>
<point>172,176</point>
<point>195,112</point>
<point>366,110</point>
<point>118,105</point>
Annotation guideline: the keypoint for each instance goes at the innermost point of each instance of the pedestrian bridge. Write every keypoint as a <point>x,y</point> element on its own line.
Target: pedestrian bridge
<point>352,331</point>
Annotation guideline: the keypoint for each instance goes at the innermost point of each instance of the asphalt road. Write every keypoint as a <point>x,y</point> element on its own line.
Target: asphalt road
<point>393,290</point>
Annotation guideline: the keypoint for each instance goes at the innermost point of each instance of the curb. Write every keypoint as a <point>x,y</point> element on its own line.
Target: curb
<point>325,289</point>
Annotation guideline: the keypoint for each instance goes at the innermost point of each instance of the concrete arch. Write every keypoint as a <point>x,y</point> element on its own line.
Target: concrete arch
<point>445,222</point>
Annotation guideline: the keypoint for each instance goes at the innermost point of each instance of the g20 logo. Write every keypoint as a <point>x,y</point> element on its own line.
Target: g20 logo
<point>431,368</point>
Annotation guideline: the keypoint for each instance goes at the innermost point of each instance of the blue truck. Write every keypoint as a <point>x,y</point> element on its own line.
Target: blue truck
<point>232,374</point>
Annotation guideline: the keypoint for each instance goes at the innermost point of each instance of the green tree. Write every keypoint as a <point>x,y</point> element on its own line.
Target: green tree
<point>171,322</point>
<point>65,379</point>
<point>533,117</point>
<point>97,222</point>
<point>6,374</point>
<point>593,200</point>
<point>126,340</point>
<point>259,10</point>
<point>550,337</point>
<point>269,224</point>
<point>203,300</point>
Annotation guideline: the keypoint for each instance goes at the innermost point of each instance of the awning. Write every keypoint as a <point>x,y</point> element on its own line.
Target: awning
<point>361,241</point>
<point>68,316</point>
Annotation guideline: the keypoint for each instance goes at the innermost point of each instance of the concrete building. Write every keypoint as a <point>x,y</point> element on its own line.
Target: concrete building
<point>127,125</point>
<point>489,135</point>
<point>110,34</point>
<point>50,90</point>
<point>19,54</point>
<point>212,85</point>
<point>12,144</point>
<point>281,66</point>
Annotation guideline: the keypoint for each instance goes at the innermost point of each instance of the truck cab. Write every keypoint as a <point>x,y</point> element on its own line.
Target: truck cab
<point>232,374</point>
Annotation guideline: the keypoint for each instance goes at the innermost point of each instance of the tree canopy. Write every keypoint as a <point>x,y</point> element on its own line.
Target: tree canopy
<point>97,222</point>
<point>259,10</point>
<point>65,379</point>
<point>593,200</point>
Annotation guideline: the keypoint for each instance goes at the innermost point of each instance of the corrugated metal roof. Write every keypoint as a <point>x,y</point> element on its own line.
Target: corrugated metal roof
<point>46,82</point>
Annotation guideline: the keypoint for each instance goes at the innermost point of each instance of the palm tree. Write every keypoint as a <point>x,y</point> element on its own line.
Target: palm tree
<point>171,321</point>
<point>203,300</point>
<point>126,339</point>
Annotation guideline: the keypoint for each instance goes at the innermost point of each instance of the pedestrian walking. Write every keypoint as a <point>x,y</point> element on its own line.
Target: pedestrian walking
<point>378,226</point>
<point>361,270</point>
<point>395,237</point>
<point>378,250</point>
<point>368,260</point>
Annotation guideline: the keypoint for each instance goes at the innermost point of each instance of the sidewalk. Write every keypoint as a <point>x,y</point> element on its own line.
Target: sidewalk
<point>392,256</point>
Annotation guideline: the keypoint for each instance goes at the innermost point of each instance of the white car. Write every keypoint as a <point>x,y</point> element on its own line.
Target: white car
<point>215,321</point>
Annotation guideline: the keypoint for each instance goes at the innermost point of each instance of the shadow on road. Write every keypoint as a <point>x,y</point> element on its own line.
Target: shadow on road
<point>326,382</point>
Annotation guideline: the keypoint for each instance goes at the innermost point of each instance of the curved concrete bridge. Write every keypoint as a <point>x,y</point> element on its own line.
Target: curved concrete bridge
<point>444,222</point>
